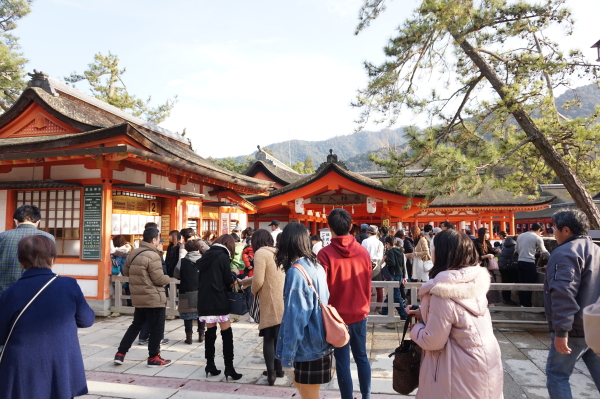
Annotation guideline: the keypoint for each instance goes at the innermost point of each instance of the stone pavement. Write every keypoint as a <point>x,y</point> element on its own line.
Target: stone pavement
<point>524,356</point>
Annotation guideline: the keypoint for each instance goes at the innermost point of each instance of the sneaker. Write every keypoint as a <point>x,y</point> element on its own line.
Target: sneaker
<point>164,341</point>
<point>158,361</point>
<point>119,358</point>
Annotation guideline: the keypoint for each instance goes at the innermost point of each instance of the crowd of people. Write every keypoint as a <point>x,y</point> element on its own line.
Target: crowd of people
<point>291,275</point>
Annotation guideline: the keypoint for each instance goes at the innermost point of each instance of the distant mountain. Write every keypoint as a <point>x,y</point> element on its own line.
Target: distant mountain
<point>588,95</point>
<point>353,149</point>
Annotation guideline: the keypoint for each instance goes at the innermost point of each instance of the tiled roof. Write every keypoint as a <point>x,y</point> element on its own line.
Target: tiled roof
<point>284,176</point>
<point>489,197</point>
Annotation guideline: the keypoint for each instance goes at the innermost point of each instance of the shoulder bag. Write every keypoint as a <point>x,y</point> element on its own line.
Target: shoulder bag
<point>336,331</point>
<point>237,300</point>
<point>407,362</point>
<point>21,314</point>
<point>492,264</point>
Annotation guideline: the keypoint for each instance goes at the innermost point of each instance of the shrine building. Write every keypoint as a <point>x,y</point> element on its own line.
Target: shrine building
<point>96,171</point>
<point>309,198</point>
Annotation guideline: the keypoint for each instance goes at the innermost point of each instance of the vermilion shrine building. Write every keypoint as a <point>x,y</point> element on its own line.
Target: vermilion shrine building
<point>96,171</point>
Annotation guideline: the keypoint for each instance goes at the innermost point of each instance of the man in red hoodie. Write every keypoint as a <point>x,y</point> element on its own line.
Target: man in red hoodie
<point>348,268</point>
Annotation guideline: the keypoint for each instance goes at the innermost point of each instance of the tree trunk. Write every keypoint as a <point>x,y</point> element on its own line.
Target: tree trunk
<point>571,181</point>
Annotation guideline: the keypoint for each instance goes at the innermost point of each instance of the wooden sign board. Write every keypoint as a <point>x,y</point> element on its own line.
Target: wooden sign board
<point>165,226</point>
<point>92,223</point>
<point>338,199</point>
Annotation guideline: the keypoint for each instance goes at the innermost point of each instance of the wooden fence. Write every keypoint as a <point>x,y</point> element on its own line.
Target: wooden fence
<point>121,307</point>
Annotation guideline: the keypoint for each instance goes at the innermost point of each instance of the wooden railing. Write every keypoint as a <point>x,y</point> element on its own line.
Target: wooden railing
<point>172,300</point>
<point>120,299</point>
<point>414,287</point>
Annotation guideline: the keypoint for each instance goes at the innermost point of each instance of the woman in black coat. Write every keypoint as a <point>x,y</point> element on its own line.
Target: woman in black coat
<point>215,280</point>
<point>507,262</point>
<point>486,252</point>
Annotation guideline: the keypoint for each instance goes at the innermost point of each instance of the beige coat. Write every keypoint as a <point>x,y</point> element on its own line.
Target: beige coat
<point>591,326</point>
<point>146,277</point>
<point>461,356</point>
<point>267,282</point>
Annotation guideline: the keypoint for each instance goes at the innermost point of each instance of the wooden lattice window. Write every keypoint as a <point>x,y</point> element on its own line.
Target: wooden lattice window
<point>210,225</point>
<point>61,216</point>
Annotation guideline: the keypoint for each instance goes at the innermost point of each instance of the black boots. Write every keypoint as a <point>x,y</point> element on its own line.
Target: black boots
<point>200,335</point>
<point>278,370</point>
<point>227,336</point>
<point>209,351</point>
<point>188,337</point>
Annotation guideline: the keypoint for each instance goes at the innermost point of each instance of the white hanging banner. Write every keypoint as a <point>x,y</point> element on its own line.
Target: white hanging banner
<point>371,205</point>
<point>299,203</point>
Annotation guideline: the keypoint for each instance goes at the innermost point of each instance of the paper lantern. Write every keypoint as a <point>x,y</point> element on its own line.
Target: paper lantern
<point>432,224</point>
<point>463,225</point>
<point>399,226</point>
<point>299,202</point>
<point>371,205</point>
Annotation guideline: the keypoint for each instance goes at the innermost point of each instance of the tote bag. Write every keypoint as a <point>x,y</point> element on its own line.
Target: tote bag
<point>255,309</point>
<point>407,362</point>
<point>237,301</point>
<point>492,264</point>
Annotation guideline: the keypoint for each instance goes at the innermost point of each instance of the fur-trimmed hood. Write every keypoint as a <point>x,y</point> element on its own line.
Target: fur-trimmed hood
<point>467,287</point>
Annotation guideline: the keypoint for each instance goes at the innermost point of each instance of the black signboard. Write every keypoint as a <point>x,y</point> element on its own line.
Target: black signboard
<point>92,222</point>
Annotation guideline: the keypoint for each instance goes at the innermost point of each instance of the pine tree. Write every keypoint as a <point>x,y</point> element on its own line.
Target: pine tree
<point>12,62</point>
<point>309,166</point>
<point>105,79</point>
<point>492,110</point>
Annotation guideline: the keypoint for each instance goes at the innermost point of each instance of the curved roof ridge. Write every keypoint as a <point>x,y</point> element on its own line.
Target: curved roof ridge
<point>59,86</point>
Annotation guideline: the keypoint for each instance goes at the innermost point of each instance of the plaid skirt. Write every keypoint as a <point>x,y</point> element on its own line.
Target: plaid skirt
<point>314,371</point>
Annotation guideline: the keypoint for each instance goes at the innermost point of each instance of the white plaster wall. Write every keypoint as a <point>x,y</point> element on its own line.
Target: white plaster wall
<point>69,172</point>
<point>89,287</point>
<point>163,181</point>
<point>205,190</point>
<point>72,269</point>
<point>3,199</point>
<point>26,173</point>
<point>130,175</point>
<point>190,187</point>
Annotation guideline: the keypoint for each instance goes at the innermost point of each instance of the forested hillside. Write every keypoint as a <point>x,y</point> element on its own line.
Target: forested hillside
<point>589,96</point>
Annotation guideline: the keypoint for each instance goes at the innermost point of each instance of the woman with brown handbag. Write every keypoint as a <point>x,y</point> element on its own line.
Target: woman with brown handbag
<point>461,356</point>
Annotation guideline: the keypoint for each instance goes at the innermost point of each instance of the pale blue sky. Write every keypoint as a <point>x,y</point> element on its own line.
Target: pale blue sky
<point>246,72</point>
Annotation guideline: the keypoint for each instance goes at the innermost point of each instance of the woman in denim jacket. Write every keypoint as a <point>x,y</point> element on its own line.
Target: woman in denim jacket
<point>301,346</point>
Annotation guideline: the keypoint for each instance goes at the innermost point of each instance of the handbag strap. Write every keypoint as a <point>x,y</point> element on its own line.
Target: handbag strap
<point>302,270</point>
<point>406,324</point>
<point>23,311</point>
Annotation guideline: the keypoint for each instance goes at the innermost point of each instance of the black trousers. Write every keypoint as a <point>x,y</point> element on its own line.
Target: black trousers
<point>508,276</point>
<point>156,322</point>
<point>189,326</point>
<point>527,275</point>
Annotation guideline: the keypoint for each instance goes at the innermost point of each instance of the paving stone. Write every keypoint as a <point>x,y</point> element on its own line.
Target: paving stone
<point>111,367</point>
<point>525,373</point>
<point>143,369</point>
<point>129,391</point>
<point>538,357</point>
<point>512,390</point>
<point>536,392</point>
<point>580,367</point>
<point>543,337</point>
<point>177,371</point>
<point>524,340</point>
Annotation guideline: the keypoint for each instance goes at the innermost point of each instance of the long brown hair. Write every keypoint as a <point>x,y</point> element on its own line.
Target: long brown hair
<point>415,231</point>
<point>261,238</point>
<point>228,242</point>
<point>453,251</point>
<point>481,237</point>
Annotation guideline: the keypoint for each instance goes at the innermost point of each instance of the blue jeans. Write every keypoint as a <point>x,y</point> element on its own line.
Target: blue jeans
<point>397,299</point>
<point>358,344</point>
<point>559,367</point>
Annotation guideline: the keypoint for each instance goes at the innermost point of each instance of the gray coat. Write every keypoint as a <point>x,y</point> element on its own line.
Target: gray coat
<point>571,284</point>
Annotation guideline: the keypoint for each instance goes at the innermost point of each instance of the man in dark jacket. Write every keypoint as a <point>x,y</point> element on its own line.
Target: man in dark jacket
<point>394,261</point>
<point>363,233</point>
<point>570,285</point>
<point>146,283</point>
<point>507,263</point>
<point>348,268</point>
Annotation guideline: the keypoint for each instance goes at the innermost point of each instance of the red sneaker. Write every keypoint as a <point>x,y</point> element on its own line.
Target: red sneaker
<point>158,361</point>
<point>119,357</point>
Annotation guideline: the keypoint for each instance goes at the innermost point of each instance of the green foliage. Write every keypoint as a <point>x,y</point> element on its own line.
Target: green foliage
<point>12,62</point>
<point>105,79</point>
<point>580,102</point>
<point>231,164</point>
<point>469,47</point>
<point>309,166</point>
